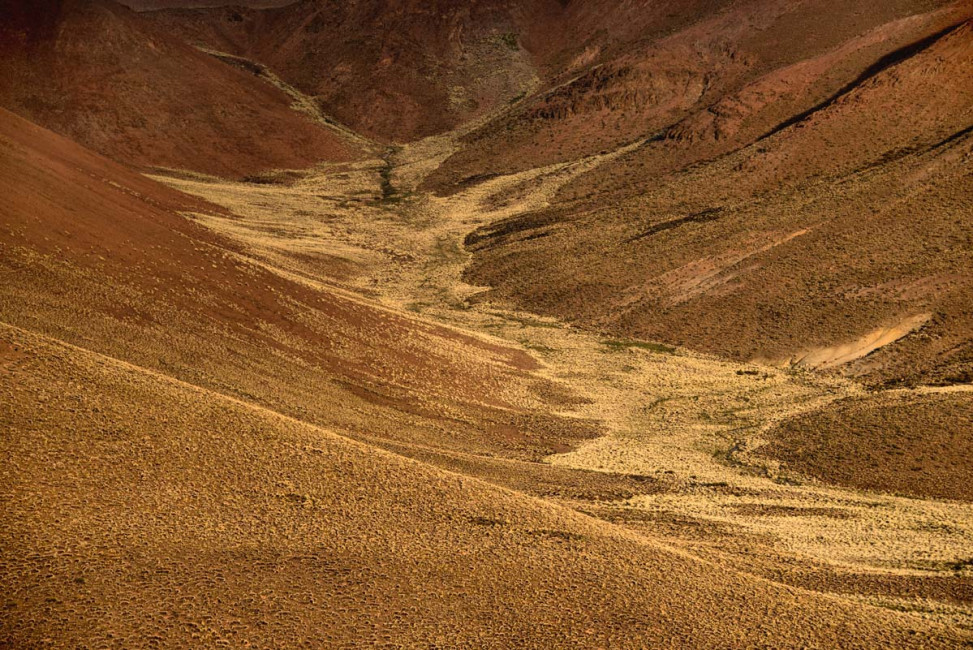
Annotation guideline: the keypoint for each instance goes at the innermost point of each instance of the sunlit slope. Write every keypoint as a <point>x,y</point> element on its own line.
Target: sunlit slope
<point>142,510</point>
<point>828,240</point>
<point>101,257</point>
<point>694,79</point>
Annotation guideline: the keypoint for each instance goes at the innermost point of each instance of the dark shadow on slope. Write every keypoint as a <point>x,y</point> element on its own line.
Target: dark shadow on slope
<point>884,63</point>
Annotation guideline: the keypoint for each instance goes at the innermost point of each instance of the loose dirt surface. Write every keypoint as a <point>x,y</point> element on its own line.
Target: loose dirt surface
<point>838,355</point>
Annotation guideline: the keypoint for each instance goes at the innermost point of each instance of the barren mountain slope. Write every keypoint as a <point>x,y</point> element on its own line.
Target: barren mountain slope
<point>819,244</point>
<point>112,267</point>
<point>391,70</point>
<point>714,76</point>
<point>918,445</point>
<point>678,430</point>
<point>102,75</point>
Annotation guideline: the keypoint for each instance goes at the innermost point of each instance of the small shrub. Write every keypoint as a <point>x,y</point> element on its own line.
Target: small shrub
<point>510,40</point>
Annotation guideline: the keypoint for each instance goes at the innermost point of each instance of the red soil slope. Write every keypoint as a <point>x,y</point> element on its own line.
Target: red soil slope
<point>708,71</point>
<point>101,75</point>
<point>114,268</point>
<point>855,217</point>
<point>574,78</point>
<point>391,70</point>
<point>918,445</point>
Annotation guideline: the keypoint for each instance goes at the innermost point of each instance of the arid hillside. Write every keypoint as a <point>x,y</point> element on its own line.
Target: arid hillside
<point>100,257</point>
<point>918,445</point>
<point>103,76</point>
<point>394,71</point>
<point>288,534</point>
<point>828,238</point>
<point>714,75</point>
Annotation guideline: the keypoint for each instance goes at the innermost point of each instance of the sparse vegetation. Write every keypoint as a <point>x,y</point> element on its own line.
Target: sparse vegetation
<point>511,40</point>
<point>527,321</point>
<point>538,347</point>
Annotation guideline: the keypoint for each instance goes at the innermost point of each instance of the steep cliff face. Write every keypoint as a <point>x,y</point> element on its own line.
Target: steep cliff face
<point>100,74</point>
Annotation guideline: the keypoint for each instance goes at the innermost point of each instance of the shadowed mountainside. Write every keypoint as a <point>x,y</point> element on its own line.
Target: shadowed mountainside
<point>153,5</point>
<point>393,71</point>
<point>102,75</point>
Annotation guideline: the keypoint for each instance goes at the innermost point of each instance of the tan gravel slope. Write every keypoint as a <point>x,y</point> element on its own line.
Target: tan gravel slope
<point>141,511</point>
